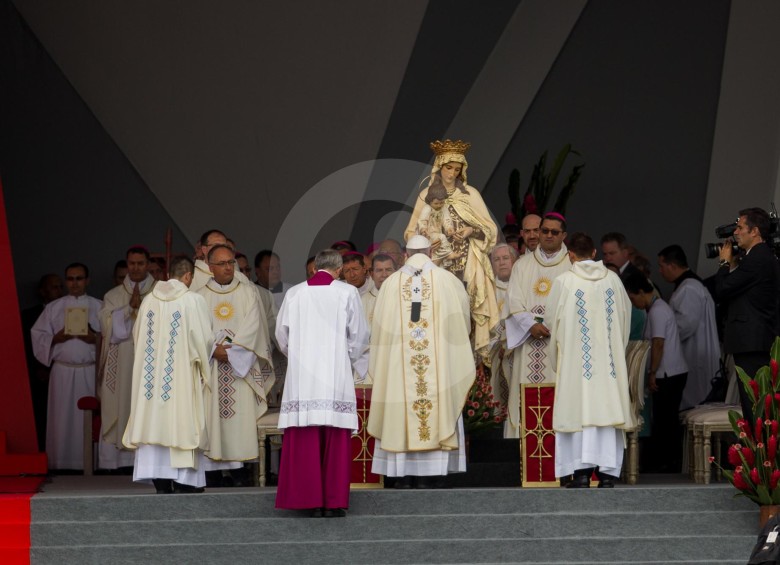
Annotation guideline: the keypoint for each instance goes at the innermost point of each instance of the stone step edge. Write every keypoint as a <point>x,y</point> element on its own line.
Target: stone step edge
<point>402,516</point>
<point>405,541</point>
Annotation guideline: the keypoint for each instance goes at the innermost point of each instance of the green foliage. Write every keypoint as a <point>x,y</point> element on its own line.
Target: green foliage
<point>541,187</point>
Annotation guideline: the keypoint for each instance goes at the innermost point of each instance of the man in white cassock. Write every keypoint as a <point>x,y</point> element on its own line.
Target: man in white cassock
<point>240,362</point>
<point>171,385</point>
<point>694,312</point>
<point>589,317</point>
<point>526,330</point>
<point>422,367</point>
<point>120,309</point>
<point>322,329</point>
<point>203,273</point>
<point>72,361</point>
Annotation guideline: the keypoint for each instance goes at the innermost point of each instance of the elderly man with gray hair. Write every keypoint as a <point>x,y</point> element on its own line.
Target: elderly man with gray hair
<point>322,329</point>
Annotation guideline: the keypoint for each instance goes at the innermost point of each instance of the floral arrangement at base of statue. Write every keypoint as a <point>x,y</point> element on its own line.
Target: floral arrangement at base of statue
<point>755,458</point>
<point>482,411</point>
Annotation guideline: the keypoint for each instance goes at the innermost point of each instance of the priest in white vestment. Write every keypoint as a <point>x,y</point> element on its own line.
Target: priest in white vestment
<point>120,308</point>
<point>382,266</point>
<point>589,317</point>
<point>322,330</point>
<point>69,348</point>
<point>202,271</point>
<point>694,312</point>
<point>355,272</point>
<point>240,362</point>
<point>422,367</point>
<point>171,385</point>
<point>526,329</point>
<point>502,257</point>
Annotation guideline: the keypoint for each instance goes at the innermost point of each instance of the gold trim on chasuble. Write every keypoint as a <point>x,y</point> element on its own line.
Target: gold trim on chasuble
<point>419,356</point>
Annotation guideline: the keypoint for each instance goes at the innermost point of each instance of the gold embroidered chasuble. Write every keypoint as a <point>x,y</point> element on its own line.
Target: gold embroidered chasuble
<point>474,268</point>
<point>116,359</point>
<point>422,370</point>
<point>241,398</point>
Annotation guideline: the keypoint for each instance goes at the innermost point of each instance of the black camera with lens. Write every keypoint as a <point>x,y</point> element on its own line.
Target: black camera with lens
<point>726,231</point>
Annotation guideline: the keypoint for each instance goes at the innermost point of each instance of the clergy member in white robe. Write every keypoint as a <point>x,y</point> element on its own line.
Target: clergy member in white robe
<point>240,362</point>
<point>422,367</point>
<point>526,330</point>
<point>202,271</point>
<point>120,308</point>
<point>502,258</point>
<point>72,361</point>
<point>322,329</point>
<point>589,315</point>
<point>694,312</point>
<point>171,385</point>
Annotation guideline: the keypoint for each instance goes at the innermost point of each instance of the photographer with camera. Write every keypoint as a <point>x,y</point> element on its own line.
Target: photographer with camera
<point>748,285</point>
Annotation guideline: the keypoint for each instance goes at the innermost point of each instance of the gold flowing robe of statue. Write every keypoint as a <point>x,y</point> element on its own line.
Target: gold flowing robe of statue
<point>474,268</point>
<point>423,370</point>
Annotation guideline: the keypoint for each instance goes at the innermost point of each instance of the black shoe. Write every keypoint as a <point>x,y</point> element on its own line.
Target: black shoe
<point>579,481</point>
<point>606,482</point>
<point>163,486</point>
<point>335,512</point>
<point>404,482</point>
<point>317,513</point>
<point>180,488</point>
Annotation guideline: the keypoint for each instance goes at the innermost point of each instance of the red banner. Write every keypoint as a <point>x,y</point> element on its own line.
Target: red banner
<point>538,438</point>
<point>363,445</point>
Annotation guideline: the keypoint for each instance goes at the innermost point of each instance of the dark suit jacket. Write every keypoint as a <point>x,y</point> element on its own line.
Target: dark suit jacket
<point>750,293</point>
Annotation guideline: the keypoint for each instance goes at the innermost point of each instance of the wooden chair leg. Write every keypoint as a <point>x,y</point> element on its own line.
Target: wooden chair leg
<point>87,457</point>
<point>261,458</point>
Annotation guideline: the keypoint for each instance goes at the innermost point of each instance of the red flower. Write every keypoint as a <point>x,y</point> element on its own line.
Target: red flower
<point>711,459</point>
<point>777,398</point>
<point>749,456</point>
<point>754,387</point>
<point>529,203</point>
<point>768,406</point>
<point>497,419</point>
<point>773,367</point>
<point>470,413</point>
<point>772,448</point>
<point>733,455</point>
<point>754,476</point>
<point>485,415</point>
<point>479,394</point>
<point>744,427</point>
<point>774,478</point>
<point>768,464</point>
<point>759,428</point>
<point>740,482</point>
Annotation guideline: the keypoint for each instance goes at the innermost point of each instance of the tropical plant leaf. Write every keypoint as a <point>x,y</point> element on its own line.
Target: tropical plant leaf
<point>743,376</point>
<point>560,159</point>
<point>515,199</point>
<point>775,352</point>
<point>568,189</point>
<point>763,495</point>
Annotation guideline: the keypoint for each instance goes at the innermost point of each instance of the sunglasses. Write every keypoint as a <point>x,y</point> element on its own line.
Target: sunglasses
<point>546,231</point>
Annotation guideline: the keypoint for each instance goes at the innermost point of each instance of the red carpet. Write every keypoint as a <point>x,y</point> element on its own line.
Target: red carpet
<point>19,485</point>
<point>15,529</point>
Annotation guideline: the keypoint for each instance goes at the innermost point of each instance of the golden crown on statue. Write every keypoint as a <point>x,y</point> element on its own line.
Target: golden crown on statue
<point>449,146</point>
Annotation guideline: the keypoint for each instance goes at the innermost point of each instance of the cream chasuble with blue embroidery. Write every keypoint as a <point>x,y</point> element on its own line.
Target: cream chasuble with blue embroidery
<point>171,373</point>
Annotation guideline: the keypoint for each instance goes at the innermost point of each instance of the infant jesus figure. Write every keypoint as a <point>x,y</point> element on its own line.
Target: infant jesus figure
<point>435,223</point>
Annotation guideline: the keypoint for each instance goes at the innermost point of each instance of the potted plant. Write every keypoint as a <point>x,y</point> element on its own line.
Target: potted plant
<point>756,472</point>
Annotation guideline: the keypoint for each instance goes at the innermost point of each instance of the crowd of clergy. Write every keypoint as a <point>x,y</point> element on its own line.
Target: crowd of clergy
<point>187,357</point>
